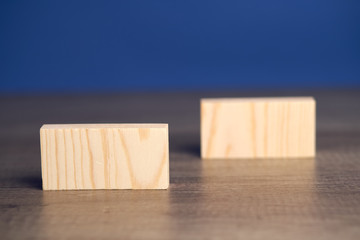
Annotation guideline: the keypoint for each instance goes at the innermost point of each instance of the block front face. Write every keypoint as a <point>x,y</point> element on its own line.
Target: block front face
<point>105,156</point>
<point>258,128</point>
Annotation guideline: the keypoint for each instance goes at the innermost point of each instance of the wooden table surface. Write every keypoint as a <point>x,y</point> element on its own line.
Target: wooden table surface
<point>218,199</point>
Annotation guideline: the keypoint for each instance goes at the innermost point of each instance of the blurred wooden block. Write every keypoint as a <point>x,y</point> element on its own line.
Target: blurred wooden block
<point>105,156</point>
<point>258,127</point>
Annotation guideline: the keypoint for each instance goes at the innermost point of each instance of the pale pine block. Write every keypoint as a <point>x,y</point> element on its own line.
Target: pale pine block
<point>104,156</point>
<point>258,127</point>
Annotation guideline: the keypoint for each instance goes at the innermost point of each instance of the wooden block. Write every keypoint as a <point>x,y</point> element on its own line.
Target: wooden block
<point>258,127</point>
<point>105,156</point>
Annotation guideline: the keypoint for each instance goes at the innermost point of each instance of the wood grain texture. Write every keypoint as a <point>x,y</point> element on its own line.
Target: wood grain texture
<point>258,127</point>
<point>104,156</point>
<point>313,198</point>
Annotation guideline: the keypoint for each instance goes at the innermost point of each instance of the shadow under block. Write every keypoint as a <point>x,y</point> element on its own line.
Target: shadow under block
<point>258,127</point>
<point>105,156</point>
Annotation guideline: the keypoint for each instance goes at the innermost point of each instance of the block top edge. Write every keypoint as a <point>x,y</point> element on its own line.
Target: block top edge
<point>260,99</point>
<point>105,125</point>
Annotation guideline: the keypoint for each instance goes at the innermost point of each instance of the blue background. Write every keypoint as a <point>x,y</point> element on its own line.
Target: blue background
<point>69,46</point>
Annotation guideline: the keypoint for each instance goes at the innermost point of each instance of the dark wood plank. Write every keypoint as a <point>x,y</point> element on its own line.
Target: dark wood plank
<point>254,199</point>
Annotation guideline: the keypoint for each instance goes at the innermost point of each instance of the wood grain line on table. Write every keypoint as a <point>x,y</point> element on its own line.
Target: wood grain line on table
<point>253,128</point>
<point>105,156</point>
<point>133,180</point>
<point>212,128</point>
<point>73,156</point>
<point>266,128</point>
<point>91,160</point>
<point>56,161</point>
